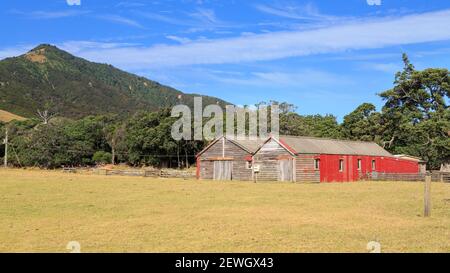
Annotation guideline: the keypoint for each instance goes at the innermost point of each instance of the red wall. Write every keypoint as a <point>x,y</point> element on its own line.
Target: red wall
<point>329,167</point>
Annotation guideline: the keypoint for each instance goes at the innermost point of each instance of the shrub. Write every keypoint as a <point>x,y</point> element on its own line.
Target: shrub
<point>101,157</point>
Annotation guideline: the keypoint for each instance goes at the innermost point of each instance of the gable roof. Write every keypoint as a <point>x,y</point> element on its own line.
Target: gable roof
<point>249,145</point>
<point>313,145</point>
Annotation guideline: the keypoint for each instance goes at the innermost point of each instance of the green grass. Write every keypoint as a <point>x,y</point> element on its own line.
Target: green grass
<point>42,211</point>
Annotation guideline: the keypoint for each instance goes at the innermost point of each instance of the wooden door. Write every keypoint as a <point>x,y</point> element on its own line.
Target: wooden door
<point>223,170</point>
<point>286,172</point>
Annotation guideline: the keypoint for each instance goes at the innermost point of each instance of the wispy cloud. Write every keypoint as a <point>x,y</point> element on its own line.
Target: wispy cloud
<point>364,34</point>
<point>198,20</point>
<point>164,18</point>
<point>73,13</point>
<point>14,51</point>
<point>206,16</point>
<point>389,68</point>
<point>76,47</point>
<point>39,14</point>
<point>367,56</point>
<point>120,19</point>
<point>304,78</point>
<point>181,40</point>
<point>307,12</point>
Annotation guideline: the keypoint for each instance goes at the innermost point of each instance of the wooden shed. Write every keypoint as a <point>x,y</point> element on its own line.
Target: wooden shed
<point>227,159</point>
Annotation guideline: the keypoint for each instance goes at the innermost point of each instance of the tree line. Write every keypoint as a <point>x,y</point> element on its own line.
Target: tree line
<point>414,120</point>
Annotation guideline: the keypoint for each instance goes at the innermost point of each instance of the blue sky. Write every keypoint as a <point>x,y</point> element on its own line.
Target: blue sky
<point>323,56</point>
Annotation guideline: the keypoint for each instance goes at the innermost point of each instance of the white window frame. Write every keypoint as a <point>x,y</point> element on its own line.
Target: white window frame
<point>341,165</point>
<point>249,165</point>
<point>316,164</point>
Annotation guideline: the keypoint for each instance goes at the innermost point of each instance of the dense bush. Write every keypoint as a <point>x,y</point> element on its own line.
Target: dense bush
<point>101,157</point>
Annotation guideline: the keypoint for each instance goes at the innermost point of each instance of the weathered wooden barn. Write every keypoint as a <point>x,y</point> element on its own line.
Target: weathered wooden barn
<point>289,158</point>
<point>227,159</point>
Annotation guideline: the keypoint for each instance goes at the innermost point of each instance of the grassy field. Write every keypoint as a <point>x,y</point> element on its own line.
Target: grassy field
<point>42,211</point>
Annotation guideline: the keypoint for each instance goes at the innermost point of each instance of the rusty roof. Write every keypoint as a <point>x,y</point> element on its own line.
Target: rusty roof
<point>313,145</point>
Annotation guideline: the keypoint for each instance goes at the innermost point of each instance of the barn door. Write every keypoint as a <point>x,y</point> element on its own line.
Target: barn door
<point>285,170</point>
<point>222,170</point>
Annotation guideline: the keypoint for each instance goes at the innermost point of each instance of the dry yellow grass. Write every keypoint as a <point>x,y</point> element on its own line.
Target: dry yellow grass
<point>7,116</point>
<point>42,211</point>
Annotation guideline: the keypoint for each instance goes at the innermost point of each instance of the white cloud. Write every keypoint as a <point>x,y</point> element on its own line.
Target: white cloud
<point>15,51</point>
<point>362,34</point>
<point>181,40</point>
<point>200,20</point>
<point>206,15</point>
<point>389,68</point>
<point>73,2</point>
<point>77,47</point>
<point>304,78</point>
<point>307,12</point>
<point>120,19</point>
<point>38,14</point>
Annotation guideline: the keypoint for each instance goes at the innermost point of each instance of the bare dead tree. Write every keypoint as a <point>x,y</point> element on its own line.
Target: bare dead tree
<point>46,115</point>
<point>114,137</point>
<point>388,144</point>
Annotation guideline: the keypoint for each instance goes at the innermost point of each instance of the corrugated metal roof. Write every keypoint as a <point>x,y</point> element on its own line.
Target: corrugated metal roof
<point>250,145</point>
<point>312,145</point>
<point>409,157</point>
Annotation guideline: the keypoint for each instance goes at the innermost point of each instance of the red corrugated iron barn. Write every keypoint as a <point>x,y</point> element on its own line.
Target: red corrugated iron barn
<point>289,158</point>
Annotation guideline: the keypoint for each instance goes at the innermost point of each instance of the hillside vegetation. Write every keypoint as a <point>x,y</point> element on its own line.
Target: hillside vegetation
<point>75,87</point>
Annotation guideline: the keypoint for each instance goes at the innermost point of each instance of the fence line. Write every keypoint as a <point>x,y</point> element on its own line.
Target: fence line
<point>149,173</point>
<point>436,176</point>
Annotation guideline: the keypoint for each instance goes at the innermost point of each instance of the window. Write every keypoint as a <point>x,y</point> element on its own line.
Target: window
<point>316,164</point>
<point>341,165</point>
<point>248,165</point>
<point>359,164</point>
<point>374,165</point>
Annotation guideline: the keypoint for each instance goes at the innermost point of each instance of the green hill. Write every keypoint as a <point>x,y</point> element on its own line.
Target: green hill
<point>76,87</point>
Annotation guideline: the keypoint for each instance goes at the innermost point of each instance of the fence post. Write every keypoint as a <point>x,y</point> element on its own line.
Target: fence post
<point>427,196</point>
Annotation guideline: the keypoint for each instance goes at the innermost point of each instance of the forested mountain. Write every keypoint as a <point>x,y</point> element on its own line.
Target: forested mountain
<point>47,77</point>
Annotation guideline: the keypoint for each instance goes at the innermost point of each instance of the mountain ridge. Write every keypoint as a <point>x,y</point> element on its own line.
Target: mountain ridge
<point>75,87</point>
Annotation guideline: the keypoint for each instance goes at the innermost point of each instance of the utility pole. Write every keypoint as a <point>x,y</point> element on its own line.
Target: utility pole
<point>6,148</point>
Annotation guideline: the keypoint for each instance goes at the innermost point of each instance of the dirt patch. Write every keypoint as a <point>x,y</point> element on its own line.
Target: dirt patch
<point>36,56</point>
<point>7,116</point>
